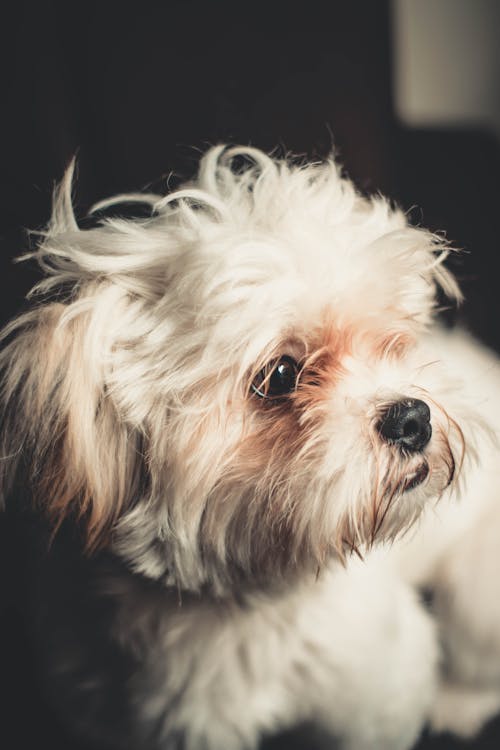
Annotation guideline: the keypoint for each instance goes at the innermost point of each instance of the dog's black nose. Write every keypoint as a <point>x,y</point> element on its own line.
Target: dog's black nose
<point>407,424</point>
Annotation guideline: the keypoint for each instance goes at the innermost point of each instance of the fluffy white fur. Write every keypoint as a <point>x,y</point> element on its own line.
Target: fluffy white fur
<point>127,393</point>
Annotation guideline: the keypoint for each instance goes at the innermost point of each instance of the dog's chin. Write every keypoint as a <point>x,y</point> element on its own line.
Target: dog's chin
<point>416,477</point>
<point>394,504</point>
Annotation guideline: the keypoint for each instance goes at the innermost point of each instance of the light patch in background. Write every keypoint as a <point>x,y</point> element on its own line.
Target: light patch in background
<point>447,63</point>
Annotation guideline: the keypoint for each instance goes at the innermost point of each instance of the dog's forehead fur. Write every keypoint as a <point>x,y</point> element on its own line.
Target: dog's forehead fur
<point>247,256</point>
<point>290,242</point>
<point>251,257</point>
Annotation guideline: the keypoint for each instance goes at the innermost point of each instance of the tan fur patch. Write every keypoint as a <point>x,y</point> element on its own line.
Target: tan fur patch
<point>89,460</point>
<point>393,344</point>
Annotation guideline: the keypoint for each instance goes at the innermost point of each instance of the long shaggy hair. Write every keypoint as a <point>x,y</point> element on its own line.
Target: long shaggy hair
<point>205,408</point>
<point>129,387</point>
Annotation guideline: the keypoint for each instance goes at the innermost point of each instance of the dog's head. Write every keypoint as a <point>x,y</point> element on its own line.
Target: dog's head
<point>235,388</point>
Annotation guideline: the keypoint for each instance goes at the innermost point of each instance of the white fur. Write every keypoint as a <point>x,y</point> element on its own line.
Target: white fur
<point>344,651</point>
<point>128,393</point>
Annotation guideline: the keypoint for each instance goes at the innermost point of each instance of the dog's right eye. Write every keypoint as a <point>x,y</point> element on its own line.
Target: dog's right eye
<point>277,379</point>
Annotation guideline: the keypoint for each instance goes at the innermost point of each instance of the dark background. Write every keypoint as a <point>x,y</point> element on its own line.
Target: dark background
<point>137,90</point>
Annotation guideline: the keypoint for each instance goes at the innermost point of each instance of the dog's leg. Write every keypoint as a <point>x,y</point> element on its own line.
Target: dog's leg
<point>463,710</point>
<point>381,661</point>
<point>467,605</point>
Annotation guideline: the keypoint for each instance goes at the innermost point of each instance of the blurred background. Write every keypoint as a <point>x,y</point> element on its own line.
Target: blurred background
<point>407,94</point>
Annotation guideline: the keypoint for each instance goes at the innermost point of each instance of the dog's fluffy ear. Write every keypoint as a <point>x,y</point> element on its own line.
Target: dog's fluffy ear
<point>58,423</point>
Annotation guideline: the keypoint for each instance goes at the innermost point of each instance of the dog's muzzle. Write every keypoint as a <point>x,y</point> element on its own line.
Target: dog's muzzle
<point>407,424</point>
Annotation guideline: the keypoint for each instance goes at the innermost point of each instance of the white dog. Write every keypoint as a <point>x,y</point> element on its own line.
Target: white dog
<point>236,402</point>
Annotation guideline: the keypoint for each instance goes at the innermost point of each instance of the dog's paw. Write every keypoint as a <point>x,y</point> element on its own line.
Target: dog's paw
<point>463,710</point>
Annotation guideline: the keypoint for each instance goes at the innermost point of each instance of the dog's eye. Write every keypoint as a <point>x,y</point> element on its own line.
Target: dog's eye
<point>278,378</point>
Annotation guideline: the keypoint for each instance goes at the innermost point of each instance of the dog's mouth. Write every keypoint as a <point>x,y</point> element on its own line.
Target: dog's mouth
<point>416,477</point>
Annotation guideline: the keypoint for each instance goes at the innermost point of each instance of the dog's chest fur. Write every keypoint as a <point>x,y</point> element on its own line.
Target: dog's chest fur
<point>130,662</point>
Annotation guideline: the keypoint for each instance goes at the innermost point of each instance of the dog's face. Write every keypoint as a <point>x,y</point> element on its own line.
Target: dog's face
<point>237,389</point>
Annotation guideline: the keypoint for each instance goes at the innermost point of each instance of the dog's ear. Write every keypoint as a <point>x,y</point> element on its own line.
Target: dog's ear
<point>59,424</point>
